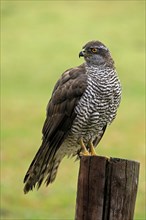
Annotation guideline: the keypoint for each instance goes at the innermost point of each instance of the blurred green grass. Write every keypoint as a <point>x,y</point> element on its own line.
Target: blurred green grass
<point>40,40</point>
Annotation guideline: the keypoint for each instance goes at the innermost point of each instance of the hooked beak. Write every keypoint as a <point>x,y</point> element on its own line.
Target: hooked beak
<point>81,54</point>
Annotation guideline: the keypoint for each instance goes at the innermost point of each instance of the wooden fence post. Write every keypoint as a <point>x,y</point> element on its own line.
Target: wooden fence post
<point>106,188</point>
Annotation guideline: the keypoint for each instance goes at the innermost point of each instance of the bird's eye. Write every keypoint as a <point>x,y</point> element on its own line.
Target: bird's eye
<point>94,50</point>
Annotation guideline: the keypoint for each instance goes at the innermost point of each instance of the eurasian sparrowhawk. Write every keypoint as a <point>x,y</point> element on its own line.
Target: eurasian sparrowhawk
<point>84,101</point>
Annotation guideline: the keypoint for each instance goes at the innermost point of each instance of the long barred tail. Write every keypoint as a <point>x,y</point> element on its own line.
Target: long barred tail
<point>43,167</point>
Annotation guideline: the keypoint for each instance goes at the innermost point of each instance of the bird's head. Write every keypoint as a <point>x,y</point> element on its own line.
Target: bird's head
<point>96,53</point>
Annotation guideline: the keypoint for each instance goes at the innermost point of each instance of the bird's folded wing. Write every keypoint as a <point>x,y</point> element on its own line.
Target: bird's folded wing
<point>60,109</point>
<point>60,115</point>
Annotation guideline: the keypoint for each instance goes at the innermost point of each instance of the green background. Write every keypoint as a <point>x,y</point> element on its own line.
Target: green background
<point>40,40</point>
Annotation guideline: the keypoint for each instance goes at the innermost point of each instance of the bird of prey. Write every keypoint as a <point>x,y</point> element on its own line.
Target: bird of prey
<point>84,101</point>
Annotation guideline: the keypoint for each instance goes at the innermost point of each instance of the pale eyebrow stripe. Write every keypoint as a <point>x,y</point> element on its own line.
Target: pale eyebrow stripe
<point>102,47</point>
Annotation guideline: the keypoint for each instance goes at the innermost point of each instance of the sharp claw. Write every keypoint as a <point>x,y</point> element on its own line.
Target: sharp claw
<point>108,158</point>
<point>84,151</point>
<point>92,149</point>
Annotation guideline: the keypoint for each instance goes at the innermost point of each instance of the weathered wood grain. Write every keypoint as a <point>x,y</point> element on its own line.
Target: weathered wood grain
<point>107,188</point>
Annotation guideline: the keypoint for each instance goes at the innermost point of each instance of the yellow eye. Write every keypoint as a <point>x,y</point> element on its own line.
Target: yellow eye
<point>94,50</point>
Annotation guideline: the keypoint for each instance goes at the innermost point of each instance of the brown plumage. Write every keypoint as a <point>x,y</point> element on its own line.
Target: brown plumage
<point>60,116</point>
<point>84,101</point>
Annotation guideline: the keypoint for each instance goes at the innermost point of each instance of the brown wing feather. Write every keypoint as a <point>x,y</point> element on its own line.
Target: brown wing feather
<point>60,110</point>
<point>60,115</point>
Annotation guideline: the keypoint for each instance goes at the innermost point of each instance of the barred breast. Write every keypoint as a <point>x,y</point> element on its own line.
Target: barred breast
<point>98,106</point>
<point>84,101</point>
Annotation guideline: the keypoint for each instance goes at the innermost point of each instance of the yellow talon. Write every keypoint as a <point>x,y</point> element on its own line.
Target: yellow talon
<point>108,158</point>
<point>84,151</point>
<point>92,149</point>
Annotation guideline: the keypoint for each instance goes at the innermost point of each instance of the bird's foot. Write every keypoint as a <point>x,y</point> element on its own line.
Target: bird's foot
<point>108,158</point>
<point>93,152</point>
<point>92,149</point>
<point>84,151</point>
